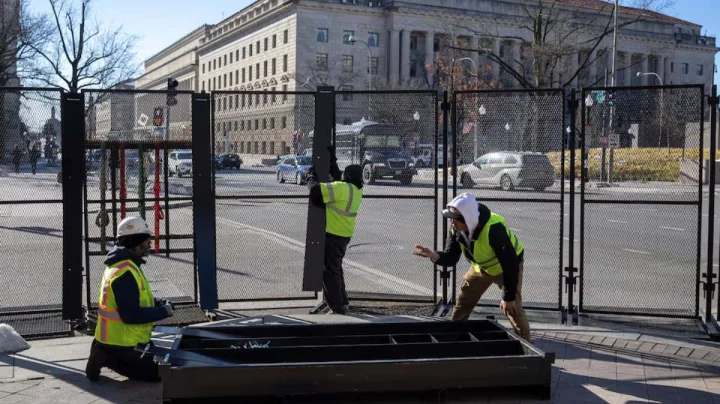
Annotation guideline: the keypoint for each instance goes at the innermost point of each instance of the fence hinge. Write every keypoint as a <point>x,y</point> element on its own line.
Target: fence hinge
<point>444,274</point>
<point>709,285</point>
<point>570,278</point>
<point>445,106</point>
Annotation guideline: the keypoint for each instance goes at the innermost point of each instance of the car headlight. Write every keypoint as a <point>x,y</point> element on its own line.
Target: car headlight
<point>380,164</point>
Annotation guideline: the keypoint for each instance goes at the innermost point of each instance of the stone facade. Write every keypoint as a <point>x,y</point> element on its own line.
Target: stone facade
<point>275,45</point>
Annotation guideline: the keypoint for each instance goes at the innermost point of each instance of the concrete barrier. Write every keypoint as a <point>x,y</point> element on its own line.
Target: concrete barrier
<point>689,171</point>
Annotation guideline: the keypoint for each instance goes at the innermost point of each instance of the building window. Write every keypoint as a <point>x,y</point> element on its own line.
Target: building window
<point>274,71</point>
<point>274,41</point>
<point>322,61</point>
<point>685,68</point>
<point>373,39</point>
<point>237,77</point>
<point>213,86</point>
<point>257,124</point>
<point>347,65</point>
<point>242,125</point>
<point>224,107</point>
<point>285,37</point>
<point>250,73</point>
<point>346,37</point>
<point>265,68</point>
<point>272,123</point>
<point>203,68</point>
<point>284,96</point>
<point>202,83</point>
<point>283,122</point>
<point>231,79</point>
<point>243,49</point>
<point>285,63</point>
<point>264,123</point>
<point>374,62</point>
<point>231,104</point>
<point>250,51</point>
<point>231,56</point>
<point>699,70</point>
<point>257,99</point>
<point>272,96</point>
<point>237,101</point>
<point>243,75</point>
<point>672,67</point>
<point>264,147</point>
<point>224,80</point>
<point>256,146</point>
<point>250,100</point>
<point>347,96</point>
<point>322,34</point>
<point>214,64</point>
<point>237,55</point>
<point>242,100</point>
<point>257,47</point>
<point>413,43</point>
<point>249,127</point>
<point>265,45</point>
<point>283,145</point>
<point>265,98</point>
<point>257,71</point>
<point>236,125</point>
<point>224,60</point>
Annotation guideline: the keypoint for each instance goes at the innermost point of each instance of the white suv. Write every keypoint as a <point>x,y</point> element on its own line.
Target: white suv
<point>180,163</point>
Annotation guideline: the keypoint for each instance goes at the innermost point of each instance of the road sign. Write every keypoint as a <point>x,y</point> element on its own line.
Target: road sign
<point>614,140</point>
<point>143,119</point>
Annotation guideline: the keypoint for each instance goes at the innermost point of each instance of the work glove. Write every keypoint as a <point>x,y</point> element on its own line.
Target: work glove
<point>168,309</point>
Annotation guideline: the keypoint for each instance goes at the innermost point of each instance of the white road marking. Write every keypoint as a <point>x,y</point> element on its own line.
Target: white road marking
<point>515,230</point>
<point>568,239</point>
<point>636,251</point>
<point>707,215</point>
<point>299,246</point>
<point>672,228</point>
<point>617,221</point>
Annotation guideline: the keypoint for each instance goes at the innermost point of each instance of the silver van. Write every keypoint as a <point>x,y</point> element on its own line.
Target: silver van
<point>509,170</point>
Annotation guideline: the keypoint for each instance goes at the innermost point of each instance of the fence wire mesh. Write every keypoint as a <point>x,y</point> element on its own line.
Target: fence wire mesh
<point>509,147</point>
<point>393,136</point>
<point>260,143</point>
<point>641,220</point>
<point>133,139</point>
<point>31,209</point>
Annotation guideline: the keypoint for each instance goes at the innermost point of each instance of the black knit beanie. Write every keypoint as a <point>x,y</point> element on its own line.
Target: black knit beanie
<point>132,240</point>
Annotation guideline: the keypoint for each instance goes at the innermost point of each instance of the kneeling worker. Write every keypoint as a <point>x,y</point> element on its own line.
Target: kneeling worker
<point>127,308</point>
<point>495,255</point>
<point>341,199</point>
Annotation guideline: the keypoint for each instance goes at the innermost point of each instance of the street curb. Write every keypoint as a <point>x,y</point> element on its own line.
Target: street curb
<point>706,357</point>
<point>150,207</point>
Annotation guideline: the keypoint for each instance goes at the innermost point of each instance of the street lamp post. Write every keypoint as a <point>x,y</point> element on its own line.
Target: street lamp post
<point>352,39</point>
<point>481,111</point>
<point>416,138</point>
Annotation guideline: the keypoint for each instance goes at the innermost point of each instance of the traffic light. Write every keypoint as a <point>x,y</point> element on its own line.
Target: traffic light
<point>171,86</point>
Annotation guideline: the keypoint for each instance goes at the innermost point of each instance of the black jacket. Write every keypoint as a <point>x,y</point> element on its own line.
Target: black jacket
<point>127,295</point>
<point>314,185</point>
<point>499,241</point>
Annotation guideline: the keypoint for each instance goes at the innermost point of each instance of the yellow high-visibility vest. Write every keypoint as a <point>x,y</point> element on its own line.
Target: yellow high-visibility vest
<point>342,202</point>
<point>484,258</point>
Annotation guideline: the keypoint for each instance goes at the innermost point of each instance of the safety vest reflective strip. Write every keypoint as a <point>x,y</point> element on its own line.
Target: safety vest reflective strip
<point>105,314</point>
<point>347,212</point>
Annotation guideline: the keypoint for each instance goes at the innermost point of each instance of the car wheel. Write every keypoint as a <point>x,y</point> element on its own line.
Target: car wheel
<point>280,177</point>
<point>506,183</point>
<point>298,181</point>
<point>466,181</point>
<point>368,175</point>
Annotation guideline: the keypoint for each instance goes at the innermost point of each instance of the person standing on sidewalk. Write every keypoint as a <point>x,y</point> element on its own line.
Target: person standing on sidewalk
<point>34,156</point>
<point>341,200</point>
<point>126,308</point>
<point>17,156</point>
<point>495,255</point>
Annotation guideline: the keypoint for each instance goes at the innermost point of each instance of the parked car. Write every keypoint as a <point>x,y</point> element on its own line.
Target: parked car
<point>294,168</point>
<point>180,163</point>
<point>510,170</point>
<point>282,158</point>
<point>229,160</point>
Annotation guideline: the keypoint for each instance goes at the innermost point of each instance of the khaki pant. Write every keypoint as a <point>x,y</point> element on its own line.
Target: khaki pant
<point>474,286</point>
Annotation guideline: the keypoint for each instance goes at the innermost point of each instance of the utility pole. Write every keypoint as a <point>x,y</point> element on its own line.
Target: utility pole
<point>614,83</point>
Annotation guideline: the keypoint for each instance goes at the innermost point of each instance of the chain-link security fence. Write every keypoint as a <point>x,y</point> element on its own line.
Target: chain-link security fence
<point>641,200</point>
<point>139,163</point>
<point>260,139</point>
<point>393,136</point>
<point>510,148</point>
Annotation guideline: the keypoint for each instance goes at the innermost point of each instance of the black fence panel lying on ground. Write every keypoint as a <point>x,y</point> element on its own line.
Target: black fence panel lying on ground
<point>510,148</point>
<point>641,200</point>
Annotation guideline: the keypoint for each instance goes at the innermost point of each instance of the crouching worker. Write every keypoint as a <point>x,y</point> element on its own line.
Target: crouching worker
<point>495,255</point>
<point>341,200</point>
<point>126,308</point>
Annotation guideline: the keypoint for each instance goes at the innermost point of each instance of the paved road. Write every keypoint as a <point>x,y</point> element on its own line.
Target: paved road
<point>636,255</point>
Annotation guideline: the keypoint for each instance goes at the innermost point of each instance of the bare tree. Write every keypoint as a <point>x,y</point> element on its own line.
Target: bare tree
<point>84,53</point>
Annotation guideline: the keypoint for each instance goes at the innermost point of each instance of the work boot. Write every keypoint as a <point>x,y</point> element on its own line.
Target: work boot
<point>98,359</point>
<point>319,307</point>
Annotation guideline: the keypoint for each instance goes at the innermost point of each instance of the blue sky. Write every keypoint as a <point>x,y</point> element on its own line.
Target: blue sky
<point>158,23</point>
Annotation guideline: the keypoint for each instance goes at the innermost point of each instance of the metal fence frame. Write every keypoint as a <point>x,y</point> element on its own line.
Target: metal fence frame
<point>561,201</point>
<point>584,201</point>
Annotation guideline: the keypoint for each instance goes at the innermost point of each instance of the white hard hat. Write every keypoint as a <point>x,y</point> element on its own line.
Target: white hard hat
<point>133,225</point>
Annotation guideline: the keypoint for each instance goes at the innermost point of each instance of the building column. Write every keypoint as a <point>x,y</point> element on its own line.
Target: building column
<point>661,68</point>
<point>474,46</point>
<point>394,57</point>
<point>628,69</point>
<point>430,53</point>
<point>645,67</point>
<point>574,65</point>
<point>405,56</point>
<point>495,66</point>
<point>593,69</point>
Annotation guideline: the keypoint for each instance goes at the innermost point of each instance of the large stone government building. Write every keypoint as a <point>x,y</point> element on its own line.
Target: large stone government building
<point>276,45</point>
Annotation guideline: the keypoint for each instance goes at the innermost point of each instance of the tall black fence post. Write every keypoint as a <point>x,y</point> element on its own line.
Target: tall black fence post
<point>445,275</point>
<point>204,202</point>
<point>570,278</point>
<point>73,173</point>
<point>709,276</point>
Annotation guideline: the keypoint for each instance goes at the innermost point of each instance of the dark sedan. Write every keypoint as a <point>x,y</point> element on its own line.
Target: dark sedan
<point>229,160</point>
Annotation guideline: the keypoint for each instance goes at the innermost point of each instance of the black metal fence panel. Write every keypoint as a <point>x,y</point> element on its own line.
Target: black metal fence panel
<point>31,201</point>
<point>509,146</point>
<point>139,163</point>
<point>393,136</point>
<point>641,200</point>
<point>260,138</point>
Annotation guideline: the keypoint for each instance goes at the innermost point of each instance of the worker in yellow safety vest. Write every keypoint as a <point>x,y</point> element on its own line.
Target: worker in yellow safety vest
<point>126,308</point>
<point>495,255</point>
<point>341,199</point>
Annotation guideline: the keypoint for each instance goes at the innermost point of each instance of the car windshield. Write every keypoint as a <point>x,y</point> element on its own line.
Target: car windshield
<point>304,161</point>
<point>184,156</point>
<point>382,141</point>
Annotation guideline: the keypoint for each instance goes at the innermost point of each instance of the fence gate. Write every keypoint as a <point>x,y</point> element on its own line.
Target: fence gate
<point>393,135</point>
<point>139,162</point>
<point>512,146</point>
<point>641,200</point>
<point>31,211</point>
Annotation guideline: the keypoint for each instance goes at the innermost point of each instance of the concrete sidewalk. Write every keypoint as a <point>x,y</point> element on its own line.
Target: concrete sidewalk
<point>593,365</point>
